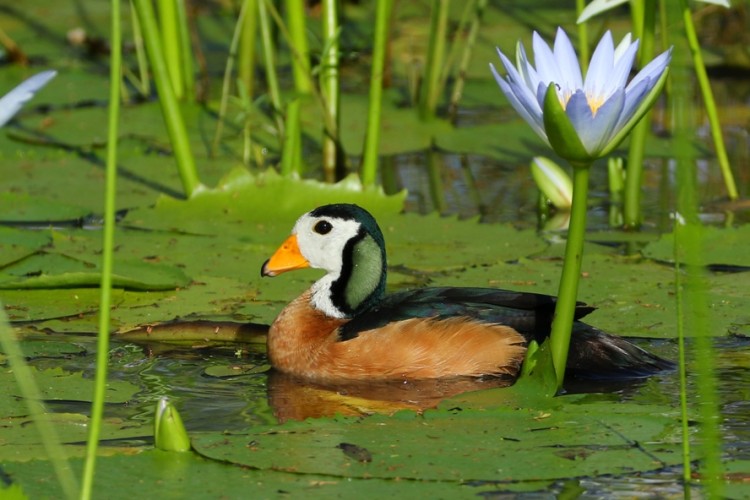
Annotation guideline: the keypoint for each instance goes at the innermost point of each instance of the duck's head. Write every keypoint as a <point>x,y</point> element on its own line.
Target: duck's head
<point>346,242</point>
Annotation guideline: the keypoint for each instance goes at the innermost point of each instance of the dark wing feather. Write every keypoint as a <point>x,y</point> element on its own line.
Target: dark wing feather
<point>592,354</point>
<point>528,313</point>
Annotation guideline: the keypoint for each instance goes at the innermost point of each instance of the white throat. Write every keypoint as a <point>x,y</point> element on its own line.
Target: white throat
<point>325,251</point>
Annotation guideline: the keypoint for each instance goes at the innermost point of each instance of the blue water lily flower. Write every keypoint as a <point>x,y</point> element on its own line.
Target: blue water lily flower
<point>581,118</point>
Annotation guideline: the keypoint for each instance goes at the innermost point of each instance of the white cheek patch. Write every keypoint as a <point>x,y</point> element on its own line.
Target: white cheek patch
<point>324,251</point>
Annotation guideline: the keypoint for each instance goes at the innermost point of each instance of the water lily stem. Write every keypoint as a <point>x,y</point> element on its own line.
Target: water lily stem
<point>568,292</point>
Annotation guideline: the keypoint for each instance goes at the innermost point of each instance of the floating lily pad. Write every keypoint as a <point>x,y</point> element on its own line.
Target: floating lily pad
<point>51,270</point>
<point>721,247</point>
<point>523,444</point>
<point>16,244</point>
<point>245,203</point>
<point>56,384</point>
<point>24,208</point>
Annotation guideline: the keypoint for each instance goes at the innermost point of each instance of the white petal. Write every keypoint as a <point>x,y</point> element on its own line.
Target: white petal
<point>595,131</point>
<point>634,94</point>
<point>623,65</point>
<point>12,102</point>
<point>529,74</point>
<point>600,68</point>
<point>525,94</point>
<point>517,96</point>
<point>652,70</point>
<point>567,62</point>
<point>623,46</point>
<point>546,65</point>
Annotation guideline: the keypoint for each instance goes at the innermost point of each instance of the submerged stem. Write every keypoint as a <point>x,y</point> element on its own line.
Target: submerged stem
<point>568,292</point>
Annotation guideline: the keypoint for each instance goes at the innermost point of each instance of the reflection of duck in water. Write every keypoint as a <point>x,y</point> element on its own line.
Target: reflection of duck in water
<point>292,398</point>
<point>345,327</point>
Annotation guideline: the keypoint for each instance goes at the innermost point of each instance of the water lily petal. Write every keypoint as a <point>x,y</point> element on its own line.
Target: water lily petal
<point>641,107</point>
<point>527,71</point>
<point>623,65</point>
<point>525,93</point>
<point>633,98</point>
<point>597,81</point>
<point>652,70</point>
<point>567,62</point>
<point>561,134</point>
<point>528,108</point>
<point>546,65</point>
<point>597,132</point>
<point>624,45</point>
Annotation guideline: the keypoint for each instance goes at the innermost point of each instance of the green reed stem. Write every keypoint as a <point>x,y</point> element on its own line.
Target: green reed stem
<point>226,84</point>
<point>568,291</point>
<point>454,43</point>
<point>632,215</point>
<point>295,12</point>
<point>272,79</point>
<point>689,245</point>
<point>170,43</point>
<point>33,399</point>
<point>430,91</point>
<point>330,123</point>
<point>291,157</point>
<point>458,87</point>
<point>169,107</point>
<point>369,168</point>
<point>329,84</point>
<point>682,366</point>
<point>140,54</point>
<point>105,301</point>
<point>186,51</point>
<point>246,53</point>
<point>708,100</point>
<point>583,38</point>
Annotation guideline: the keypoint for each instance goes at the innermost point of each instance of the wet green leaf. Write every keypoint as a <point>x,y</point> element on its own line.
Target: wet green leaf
<point>189,475</point>
<point>52,270</point>
<point>492,445</point>
<point>721,247</point>
<point>56,384</point>
<point>16,244</point>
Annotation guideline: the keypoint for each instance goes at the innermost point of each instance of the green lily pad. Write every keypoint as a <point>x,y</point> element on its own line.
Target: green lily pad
<point>22,207</point>
<point>55,384</point>
<point>244,202</point>
<point>20,437</point>
<point>35,305</point>
<point>175,475</point>
<point>16,244</point>
<point>721,247</point>
<point>524,444</point>
<point>52,270</point>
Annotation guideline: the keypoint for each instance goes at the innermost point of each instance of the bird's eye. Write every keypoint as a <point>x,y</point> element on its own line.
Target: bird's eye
<point>323,227</point>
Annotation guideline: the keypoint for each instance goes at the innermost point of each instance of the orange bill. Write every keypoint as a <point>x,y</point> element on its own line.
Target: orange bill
<point>286,258</point>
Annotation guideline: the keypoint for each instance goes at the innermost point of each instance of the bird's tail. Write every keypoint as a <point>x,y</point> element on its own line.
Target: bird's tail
<point>594,354</point>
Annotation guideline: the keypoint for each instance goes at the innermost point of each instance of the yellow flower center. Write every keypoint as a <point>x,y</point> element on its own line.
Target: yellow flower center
<point>595,102</point>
